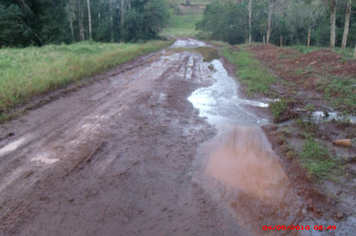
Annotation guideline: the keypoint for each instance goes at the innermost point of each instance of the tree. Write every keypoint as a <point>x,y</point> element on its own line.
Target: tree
<point>89,19</point>
<point>332,24</point>
<point>347,23</point>
<point>226,21</point>
<point>70,9</point>
<point>249,21</point>
<point>301,17</point>
<point>271,6</point>
<point>145,19</point>
<point>11,25</point>
<point>122,12</point>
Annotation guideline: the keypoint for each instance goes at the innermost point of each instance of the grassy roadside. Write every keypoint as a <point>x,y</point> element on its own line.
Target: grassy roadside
<point>316,156</point>
<point>29,72</point>
<point>250,71</point>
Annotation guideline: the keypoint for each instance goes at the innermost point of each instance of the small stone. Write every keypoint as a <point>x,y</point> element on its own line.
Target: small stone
<point>340,215</point>
<point>343,142</point>
<point>313,63</point>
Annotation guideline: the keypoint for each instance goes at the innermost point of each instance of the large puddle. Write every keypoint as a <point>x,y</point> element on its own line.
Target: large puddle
<point>239,166</point>
<point>241,169</point>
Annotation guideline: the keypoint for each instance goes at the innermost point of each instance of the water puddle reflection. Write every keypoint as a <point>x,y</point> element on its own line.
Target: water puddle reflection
<point>322,116</point>
<point>239,166</point>
<point>250,178</point>
<point>44,158</point>
<point>13,146</point>
<point>242,159</point>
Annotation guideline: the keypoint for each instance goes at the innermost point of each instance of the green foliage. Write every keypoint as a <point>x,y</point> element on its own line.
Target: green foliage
<point>277,108</point>
<point>250,71</point>
<point>11,25</point>
<point>316,158</point>
<point>226,21</point>
<point>24,23</point>
<point>340,92</point>
<point>182,25</point>
<point>32,71</point>
<point>145,20</point>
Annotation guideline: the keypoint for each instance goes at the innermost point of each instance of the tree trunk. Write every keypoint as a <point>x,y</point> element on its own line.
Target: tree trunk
<point>269,20</point>
<point>355,52</point>
<point>111,21</point>
<point>70,15</point>
<point>281,41</point>
<point>347,24</point>
<point>80,21</point>
<point>264,41</point>
<point>308,38</point>
<point>89,19</point>
<point>332,24</point>
<point>250,21</point>
<point>122,12</point>
<point>71,28</point>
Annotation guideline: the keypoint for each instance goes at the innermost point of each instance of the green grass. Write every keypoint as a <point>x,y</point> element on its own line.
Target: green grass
<point>340,92</point>
<point>183,25</point>
<point>347,52</point>
<point>316,158</point>
<point>278,107</point>
<point>250,71</point>
<point>32,71</point>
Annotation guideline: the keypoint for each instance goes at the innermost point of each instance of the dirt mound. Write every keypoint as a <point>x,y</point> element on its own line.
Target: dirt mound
<point>304,69</point>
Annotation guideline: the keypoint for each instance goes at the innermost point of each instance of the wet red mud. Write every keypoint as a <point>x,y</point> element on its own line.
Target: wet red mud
<point>114,158</point>
<point>130,155</point>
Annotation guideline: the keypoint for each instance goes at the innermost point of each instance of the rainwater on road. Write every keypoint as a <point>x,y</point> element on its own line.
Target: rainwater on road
<point>238,166</point>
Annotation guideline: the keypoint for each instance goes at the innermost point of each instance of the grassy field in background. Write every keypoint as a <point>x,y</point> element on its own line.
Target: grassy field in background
<point>183,25</point>
<point>31,71</point>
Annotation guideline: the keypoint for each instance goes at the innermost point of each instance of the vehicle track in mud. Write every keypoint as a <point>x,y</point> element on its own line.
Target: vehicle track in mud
<point>113,158</point>
<point>130,154</point>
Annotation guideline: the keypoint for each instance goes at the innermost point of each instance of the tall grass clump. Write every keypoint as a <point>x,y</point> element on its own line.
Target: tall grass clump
<point>249,71</point>
<point>31,71</point>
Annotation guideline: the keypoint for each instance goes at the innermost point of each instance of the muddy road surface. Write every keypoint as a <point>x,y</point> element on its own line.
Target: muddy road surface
<point>161,146</point>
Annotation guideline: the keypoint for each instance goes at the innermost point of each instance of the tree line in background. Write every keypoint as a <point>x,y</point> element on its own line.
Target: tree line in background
<point>40,22</point>
<point>319,22</point>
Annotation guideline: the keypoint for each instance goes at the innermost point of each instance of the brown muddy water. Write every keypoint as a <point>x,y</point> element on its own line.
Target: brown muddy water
<point>238,166</point>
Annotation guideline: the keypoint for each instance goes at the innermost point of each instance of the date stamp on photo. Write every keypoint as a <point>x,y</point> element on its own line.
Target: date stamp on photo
<point>298,227</point>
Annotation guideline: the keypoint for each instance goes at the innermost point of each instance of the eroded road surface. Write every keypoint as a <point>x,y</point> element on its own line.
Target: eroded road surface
<point>161,146</point>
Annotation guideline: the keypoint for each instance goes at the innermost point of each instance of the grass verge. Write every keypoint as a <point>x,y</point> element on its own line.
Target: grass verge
<point>341,92</point>
<point>317,159</point>
<point>32,71</point>
<point>249,71</point>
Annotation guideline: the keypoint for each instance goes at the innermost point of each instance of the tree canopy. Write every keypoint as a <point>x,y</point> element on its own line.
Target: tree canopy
<point>229,21</point>
<point>39,22</point>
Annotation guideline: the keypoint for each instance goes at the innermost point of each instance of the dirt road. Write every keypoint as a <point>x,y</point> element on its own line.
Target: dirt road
<point>130,155</point>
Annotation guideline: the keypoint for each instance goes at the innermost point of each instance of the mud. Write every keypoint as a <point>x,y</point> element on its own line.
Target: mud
<point>331,199</point>
<point>238,166</point>
<point>163,145</point>
<point>114,158</point>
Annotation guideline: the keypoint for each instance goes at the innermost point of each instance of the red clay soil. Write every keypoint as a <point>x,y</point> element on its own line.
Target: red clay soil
<point>304,69</point>
<point>302,73</point>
